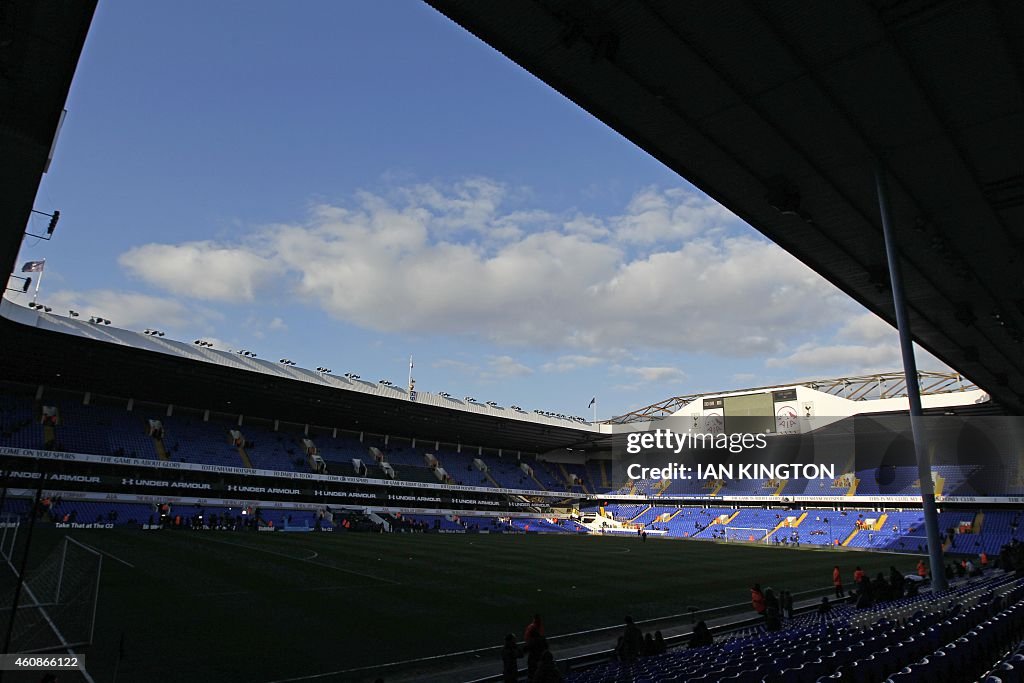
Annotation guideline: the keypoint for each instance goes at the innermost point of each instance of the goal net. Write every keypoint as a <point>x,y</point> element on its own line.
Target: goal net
<point>735,534</point>
<point>57,606</point>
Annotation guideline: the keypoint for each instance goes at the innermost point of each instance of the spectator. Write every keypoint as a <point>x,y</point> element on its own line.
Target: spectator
<point>659,644</point>
<point>535,643</point>
<point>647,646</point>
<point>701,636</point>
<point>787,604</point>
<point>510,653</point>
<point>632,640</point>
<point>879,588</point>
<point>837,581</point>
<point>546,672</point>
<point>757,598</point>
<point>922,569</point>
<point>534,628</point>
<point>824,607</point>
<point>772,615</point>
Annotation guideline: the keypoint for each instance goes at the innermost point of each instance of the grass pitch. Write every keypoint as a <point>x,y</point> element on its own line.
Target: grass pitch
<point>224,606</point>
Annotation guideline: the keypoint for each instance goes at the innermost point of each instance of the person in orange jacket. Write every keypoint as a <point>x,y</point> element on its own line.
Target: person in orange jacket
<point>858,575</point>
<point>837,581</point>
<point>922,569</point>
<point>757,599</point>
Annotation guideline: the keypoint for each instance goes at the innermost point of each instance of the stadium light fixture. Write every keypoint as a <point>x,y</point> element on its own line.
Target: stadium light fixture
<point>27,281</point>
<point>73,314</point>
<point>445,394</point>
<point>470,399</point>
<point>51,226</point>
<point>153,333</point>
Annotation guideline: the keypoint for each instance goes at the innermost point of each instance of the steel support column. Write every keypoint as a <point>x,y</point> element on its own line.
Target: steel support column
<point>924,470</point>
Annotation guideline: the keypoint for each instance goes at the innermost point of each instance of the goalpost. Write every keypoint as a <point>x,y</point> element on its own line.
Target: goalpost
<point>9,524</point>
<point>738,534</point>
<point>57,607</point>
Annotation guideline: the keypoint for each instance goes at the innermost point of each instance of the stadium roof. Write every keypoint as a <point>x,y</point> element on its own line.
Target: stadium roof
<point>60,352</point>
<point>858,388</point>
<point>781,111</point>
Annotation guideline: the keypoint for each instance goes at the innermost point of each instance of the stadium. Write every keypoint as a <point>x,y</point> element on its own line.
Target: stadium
<point>176,511</point>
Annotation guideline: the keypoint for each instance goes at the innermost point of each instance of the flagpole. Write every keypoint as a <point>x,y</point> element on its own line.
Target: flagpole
<point>39,281</point>
<point>595,411</point>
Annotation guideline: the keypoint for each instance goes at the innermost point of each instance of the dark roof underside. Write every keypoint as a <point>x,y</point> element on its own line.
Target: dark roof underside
<point>784,104</point>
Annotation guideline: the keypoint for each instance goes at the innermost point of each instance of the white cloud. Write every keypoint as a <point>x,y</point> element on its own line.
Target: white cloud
<point>850,358</point>
<point>451,363</point>
<point>868,327</point>
<point>571,362</point>
<point>131,310</point>
<point>665,274</point>
<point>655,216</point>
<point>277,325</point>
<point>862,344</point>
<point>495,367</point>
<point>500,367</point>
<point>201,270</point>
<point>654,375</point>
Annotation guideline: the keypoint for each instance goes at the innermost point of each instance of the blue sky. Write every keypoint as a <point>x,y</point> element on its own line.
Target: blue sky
<point>344,184</point>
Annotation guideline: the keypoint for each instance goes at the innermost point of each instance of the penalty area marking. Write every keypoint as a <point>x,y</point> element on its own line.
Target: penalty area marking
<point>308,560</point>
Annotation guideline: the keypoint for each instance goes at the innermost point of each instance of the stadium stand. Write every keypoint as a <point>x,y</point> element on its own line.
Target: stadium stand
<point>954,635</point>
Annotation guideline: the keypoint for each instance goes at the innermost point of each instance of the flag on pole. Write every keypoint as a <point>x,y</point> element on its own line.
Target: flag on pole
<point>33,266</point>
<point>592,402</point>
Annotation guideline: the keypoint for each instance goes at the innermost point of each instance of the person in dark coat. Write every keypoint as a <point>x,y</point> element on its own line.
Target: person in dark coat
<point>632,640</point>
<point>772,615</point>
<point>510,655</point>
<point>659,644</point>
<point>533,638</point>
<point>546,671</point>
<point>701,636</point>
